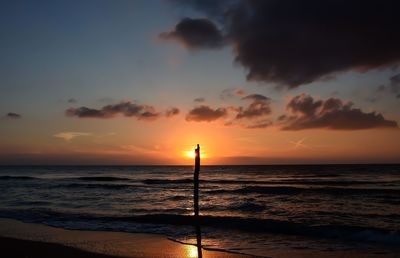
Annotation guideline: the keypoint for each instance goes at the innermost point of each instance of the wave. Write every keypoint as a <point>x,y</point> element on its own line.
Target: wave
<point>101,178</point>
<point>83,178</point>
<point>283,184</point>
<point>252,225</point>
<point>288,190</point>
<point>259,182</point>
<point>166,181</point>
<point>97,186</point>
<point>17,178</point>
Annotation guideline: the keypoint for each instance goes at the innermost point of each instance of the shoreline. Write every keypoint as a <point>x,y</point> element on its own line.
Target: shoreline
<point>31,240</point>
<point>38,240</point>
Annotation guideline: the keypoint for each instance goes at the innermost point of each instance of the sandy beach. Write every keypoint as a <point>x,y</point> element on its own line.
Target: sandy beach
<point>23,240</point>
<point>20,239</point>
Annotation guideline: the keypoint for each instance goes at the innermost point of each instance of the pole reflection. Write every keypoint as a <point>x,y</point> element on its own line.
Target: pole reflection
<point>196,200</point>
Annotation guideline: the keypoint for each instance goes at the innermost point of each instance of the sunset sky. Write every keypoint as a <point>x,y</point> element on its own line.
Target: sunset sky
<point>253,82</point>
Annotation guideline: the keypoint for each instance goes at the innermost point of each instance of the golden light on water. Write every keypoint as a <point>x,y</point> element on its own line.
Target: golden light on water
<point>191,251</point>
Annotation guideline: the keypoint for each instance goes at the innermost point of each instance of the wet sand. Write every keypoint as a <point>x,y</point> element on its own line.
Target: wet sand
<point>25,240</point>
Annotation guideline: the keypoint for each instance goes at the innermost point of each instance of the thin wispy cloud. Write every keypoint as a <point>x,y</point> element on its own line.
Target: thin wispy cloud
<point>68,136</point>
<point>299,144</point>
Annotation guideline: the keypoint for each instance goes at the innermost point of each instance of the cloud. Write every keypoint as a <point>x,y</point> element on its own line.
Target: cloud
<point>299,143</point>
<point>332,113</point>
<point>260,106</point>
<point>172,111</point>
<point>195,33</point>
<point>395,85</point>
<point>124,108</point>
<point>67,136</point>
<point>253,116</point>
<point>204,113</point>
<point>72,101</point>
<point>256,97</point>
<point>199,100</point>
<point>259,124</point>
<point>291,43</point>
<point>392,89</point>
<point>13,115</point>
<point>230,93</point>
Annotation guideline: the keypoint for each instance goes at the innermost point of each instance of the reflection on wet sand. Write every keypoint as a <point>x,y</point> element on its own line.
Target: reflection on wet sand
<point>191,251</point>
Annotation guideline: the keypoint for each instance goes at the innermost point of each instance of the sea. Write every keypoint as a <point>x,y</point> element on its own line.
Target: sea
<point>246,209</point>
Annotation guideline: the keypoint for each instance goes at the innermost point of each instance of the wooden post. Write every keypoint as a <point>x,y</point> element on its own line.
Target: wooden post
<point>196,199</point>
<point>196,180</point>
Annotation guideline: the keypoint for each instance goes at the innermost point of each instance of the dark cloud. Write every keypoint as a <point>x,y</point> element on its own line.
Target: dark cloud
<point>260,106</point>
<point>256,97</point>
<point>13,115</point>
<point>172,111</point>
<point>332,113</point>
<point>72,101</point>
<point>254,115</point>
<point>205,113</point>
<point>199,100</point>
<point>195,33</point>
<point>292,42</point>
<point>395,85</point>
<point>393,89</point>
<point>125,108</point>
<point>230,93</point>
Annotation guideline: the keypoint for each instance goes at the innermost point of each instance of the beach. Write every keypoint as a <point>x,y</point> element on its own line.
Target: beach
<point>18,239</point>
<point>28,240</point>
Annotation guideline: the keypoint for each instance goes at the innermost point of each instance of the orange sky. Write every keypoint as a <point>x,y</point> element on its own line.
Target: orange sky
<point>113,86</point>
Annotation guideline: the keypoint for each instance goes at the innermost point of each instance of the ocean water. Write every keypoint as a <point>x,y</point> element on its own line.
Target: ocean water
<point>247,209</point>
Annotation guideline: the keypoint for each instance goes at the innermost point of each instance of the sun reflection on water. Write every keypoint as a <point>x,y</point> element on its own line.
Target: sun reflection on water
<point>191,251</point>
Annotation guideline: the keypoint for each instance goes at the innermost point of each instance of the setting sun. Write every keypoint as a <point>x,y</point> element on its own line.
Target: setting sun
<point>189,154</point>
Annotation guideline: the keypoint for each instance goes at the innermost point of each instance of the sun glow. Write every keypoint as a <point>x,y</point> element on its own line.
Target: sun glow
<point>191,251</point>
<point>189,154</point>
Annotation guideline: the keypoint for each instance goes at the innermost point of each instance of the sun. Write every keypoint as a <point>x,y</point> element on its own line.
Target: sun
<point>189,154</point>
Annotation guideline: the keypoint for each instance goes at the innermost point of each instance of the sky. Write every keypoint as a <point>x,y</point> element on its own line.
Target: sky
<point>253,82</point>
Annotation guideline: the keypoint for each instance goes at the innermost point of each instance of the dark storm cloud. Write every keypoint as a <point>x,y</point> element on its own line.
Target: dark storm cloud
<point>125,108</point>
<point>333,113</point>
<point>199,100</point>
<point>260,106</point>
<point>205,113</point>
<point>13,115</point>
<point>196,33</point>
<point>172,111</point>
<point>291,42</point>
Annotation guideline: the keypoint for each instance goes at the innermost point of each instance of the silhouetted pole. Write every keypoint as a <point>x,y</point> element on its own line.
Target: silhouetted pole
<point>196,199</point>
<point>196,180</point>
